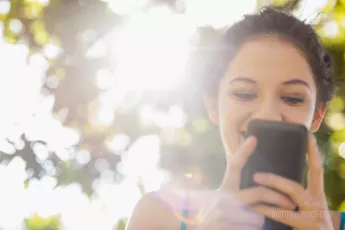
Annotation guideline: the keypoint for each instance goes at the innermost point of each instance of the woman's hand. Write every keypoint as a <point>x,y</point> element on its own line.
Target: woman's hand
<point>230,208</point>
<point>313,210</point>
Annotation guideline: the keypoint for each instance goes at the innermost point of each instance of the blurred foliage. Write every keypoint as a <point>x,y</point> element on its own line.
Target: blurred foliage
<point>76,25</point>
<point>39,223</point>
<point>121,225</point>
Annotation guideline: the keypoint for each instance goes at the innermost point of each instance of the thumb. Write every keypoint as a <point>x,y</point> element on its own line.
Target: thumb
<point>232,177</point>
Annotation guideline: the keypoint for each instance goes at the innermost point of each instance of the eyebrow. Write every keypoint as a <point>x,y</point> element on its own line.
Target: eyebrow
<point>296,82</point>
<point>242,79</point>
<point>289,82</point>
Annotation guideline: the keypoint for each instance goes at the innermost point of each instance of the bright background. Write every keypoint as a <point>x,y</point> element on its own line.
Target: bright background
<point>98,105</point>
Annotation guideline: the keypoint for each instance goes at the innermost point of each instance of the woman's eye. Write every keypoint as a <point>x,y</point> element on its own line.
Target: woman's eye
<point>293,100</point>
<point>244,96</point>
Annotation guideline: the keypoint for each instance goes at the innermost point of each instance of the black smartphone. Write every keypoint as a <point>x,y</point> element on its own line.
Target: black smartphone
<point>281,149</point>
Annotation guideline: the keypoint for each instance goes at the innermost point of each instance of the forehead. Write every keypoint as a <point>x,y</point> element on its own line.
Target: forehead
<point>270,59</point>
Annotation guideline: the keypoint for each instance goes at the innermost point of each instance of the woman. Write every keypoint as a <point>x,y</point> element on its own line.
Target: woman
<point>269,66</point>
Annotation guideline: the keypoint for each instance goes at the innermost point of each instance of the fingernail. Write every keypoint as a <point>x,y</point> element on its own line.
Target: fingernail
<point>290,205</point>
<point>293,207</point>
<point>259,177</point>
<point>250,139</point>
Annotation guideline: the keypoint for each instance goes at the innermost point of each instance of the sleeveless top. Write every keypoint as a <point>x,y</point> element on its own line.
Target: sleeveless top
<point>342,220</point>
<point>185,215</point>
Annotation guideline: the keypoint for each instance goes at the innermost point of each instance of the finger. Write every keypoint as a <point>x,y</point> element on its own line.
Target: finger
<point>232,175</point>
<point>261,194</point>
<point>315,173</point>
<point>242,216</point>
<point>208,220</point>
<point>239,227</point>
<point>234,226</point>
<point>234,217</point>
<point>294,219</point>
<point>289,187</point>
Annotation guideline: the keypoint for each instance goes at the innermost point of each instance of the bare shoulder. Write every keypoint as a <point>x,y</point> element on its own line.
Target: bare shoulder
<point>153,211</point>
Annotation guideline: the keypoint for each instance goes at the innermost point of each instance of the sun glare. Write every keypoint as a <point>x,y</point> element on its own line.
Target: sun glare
<point>153,51</point>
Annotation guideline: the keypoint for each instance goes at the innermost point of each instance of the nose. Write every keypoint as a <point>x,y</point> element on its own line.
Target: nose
<point>268,110</point>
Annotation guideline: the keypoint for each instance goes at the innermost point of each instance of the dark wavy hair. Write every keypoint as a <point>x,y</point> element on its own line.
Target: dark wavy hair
<point>215,60</point>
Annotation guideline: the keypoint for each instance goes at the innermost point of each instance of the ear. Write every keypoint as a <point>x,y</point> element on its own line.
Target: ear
<point>318,117</point>
<point>211,104</point>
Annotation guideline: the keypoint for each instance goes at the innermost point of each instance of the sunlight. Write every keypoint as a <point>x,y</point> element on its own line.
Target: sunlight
<point>141,163</point>
<point>113,97</point>
<point>41,197</point>
<point>173,118</point>
<point>104,78</point>
<point>16,26</point>
<point>330,29</point>
<point>74,207</point>
<point>336,121</point>
<point>12,179</point>
<point>41,151</point>
<point>83,157</point>
<point>99,49</point>
<point>46,128</point>
<point>43,2</point>
<point>143,155</point>
<point>124,202</point>
<point>105,116</point>
<point>1,31</point>
<point>309,9</point>
<point>52,51</point>
<point>15,107</point>
<point>218,13</point>
<point>118,143</point>
<point>5,7</point>
<point>52,82</point>
<point>7,147</point>
<point>147,115</point>
<point>123,7</point>
<point>154,51</point>
<point>341,150</point>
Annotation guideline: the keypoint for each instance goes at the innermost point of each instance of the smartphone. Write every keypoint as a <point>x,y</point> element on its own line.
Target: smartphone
<point>281,149</point>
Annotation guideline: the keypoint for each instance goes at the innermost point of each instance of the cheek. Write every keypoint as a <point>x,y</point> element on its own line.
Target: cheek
<point>232,116</point>
<point>224,109</point>
<point>231,111</point>
<point>302,115</point>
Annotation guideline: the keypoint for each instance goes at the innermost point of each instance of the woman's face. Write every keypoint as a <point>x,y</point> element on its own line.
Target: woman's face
<point>268,79</point>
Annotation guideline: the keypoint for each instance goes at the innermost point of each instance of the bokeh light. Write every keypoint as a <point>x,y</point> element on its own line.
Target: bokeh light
<point>336,121</point>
